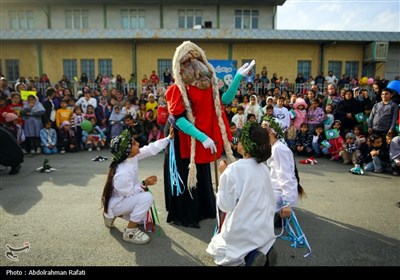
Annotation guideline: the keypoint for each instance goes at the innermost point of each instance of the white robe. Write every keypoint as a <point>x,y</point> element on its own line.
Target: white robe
<point>246,195</point>
<point>284,182</point>
<point>126,179</point>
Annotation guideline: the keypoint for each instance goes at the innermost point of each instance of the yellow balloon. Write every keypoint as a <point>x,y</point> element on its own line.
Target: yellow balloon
<point>364,80</point>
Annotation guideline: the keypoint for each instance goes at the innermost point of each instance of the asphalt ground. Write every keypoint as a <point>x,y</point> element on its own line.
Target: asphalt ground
<point>349,220</point>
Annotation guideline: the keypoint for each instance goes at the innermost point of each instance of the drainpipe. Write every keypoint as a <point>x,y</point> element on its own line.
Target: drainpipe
<point>161,15</point>
<point>322,57</point>
<point>40,59</point>
<point>105,16</point>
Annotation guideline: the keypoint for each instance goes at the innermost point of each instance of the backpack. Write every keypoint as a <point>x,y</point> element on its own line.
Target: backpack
<point>162,114</point>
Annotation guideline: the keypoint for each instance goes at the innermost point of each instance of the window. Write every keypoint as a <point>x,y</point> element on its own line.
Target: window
<point>87,66</point>
<point>69,67</point>
<point>304,67</point>
<point>12,69</point>
<point>22,19</point>
<point>336,68</point>
<point>105,67</point>
<point>76,19</point>
<point>133,18</point>
<point>351,68</point>
<point>369,70</point>
<point>189,18</point>
<point>162,64</point>
<point>246,19</point>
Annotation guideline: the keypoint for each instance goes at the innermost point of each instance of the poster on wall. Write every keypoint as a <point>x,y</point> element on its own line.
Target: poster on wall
<point>225,71</point>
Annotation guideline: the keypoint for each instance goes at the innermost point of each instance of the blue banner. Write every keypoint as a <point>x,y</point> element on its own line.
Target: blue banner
<point>225,70</point>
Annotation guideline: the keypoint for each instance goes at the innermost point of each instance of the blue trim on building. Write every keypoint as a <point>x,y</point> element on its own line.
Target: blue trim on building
<point>199,34</point>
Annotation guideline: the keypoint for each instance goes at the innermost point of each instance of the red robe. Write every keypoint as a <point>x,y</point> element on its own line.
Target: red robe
<point>205,120</point>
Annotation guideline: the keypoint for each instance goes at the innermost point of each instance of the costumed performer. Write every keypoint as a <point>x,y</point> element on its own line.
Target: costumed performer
<point>203,133</point>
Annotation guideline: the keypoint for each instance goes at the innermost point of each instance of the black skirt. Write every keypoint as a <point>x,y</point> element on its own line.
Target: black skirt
<point>185,209</point>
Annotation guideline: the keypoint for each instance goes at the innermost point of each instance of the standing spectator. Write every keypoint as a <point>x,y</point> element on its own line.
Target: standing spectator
<point>320,79</point>
<point>63,113</point>
<point>253,108</point>
<point>383,115</point>
<point>331,79</point>
<point>84,79</point>
<point>167,77</point>
<point>32,113</point>
<point>45,80</point>
<point>16,107</point>
<point>103,113</point>
<point>154,78</point>
<point>87,99</point>
<point>346,111</point>
<point>49,106</point>
<point>5,90</point>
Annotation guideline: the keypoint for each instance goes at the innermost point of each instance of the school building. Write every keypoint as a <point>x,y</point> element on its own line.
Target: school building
<point>70,37</point>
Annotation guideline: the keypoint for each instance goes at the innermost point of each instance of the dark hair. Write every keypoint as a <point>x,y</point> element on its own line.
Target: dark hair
<point>108,187</point>
<point>259,135</point>
<point>50,91</point>
<point>249,115</point>
<point>374,136</point>
<point>300,190</point>
<point>388,90</point>
<point>304,124</point>
<point>130,117</point>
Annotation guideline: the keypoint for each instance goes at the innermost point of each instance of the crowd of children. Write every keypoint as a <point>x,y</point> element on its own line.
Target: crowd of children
<point>346,127</point>
<point>343,126</point>
<point>53,124</point>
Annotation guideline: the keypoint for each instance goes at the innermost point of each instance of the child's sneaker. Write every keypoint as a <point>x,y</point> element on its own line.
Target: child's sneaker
<point>135,235</point>
<point>98,148</point>
<point>38,151</point>
<point>89,150</point>
<point>108,222</point>
<point>62,151</point>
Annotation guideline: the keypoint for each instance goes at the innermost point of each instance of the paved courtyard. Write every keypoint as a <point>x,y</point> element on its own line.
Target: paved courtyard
<point>349,220</point>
